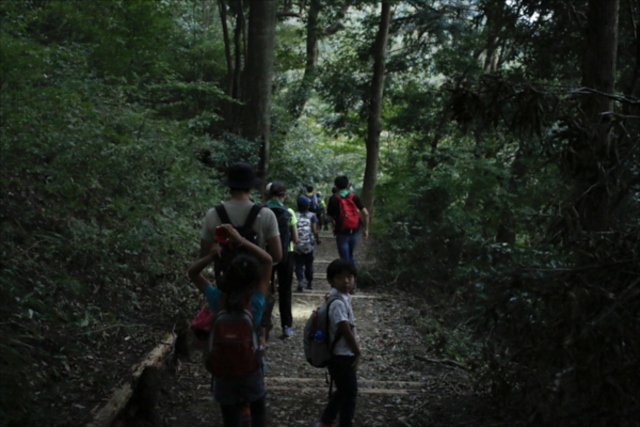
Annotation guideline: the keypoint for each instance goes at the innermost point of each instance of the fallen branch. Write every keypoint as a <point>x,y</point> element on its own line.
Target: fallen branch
<point>440,361</point>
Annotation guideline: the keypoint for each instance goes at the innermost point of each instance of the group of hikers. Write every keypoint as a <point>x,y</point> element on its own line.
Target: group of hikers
<point>250,244</point>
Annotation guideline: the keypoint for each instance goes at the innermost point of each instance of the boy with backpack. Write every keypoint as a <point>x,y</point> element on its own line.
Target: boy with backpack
<point>307,238</point>
<point>347,213</point>
<point>314,202</point>
<point>286,219</point>
<point>343,364</point>
<point>233,354</point>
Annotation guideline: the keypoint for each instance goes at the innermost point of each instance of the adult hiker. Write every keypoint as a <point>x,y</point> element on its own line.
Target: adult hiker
<point>286,219</point>
<point>239,211</point>
<point>348,214</point>
<point>240,180</point>
<point>321,213</point>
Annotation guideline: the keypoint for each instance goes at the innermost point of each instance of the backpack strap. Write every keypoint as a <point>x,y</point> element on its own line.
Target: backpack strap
<point>328,376</point>
<point>222,214</point>
<point>248,223</point>
<point>327,327</point>
<point>253,214</point>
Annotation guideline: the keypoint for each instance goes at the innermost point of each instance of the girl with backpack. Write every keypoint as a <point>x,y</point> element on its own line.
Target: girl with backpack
<point>242,293</point>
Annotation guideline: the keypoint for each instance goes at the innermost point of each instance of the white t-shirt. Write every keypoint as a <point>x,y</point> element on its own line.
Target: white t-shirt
<point>265,225</point>
<point>340,311</point>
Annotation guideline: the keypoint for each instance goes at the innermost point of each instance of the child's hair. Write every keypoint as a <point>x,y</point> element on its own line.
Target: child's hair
<point>339,266</point>
<point>242,276</point>
<point>341,182</point>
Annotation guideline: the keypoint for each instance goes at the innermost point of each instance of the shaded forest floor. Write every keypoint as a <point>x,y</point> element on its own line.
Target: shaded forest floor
<point>397,387</point>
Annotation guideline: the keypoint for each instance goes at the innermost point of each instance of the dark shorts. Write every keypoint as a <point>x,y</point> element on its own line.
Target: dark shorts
<point>233,391</point>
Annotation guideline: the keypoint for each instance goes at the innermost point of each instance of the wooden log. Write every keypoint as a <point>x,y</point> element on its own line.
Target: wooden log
<point>120,398</point>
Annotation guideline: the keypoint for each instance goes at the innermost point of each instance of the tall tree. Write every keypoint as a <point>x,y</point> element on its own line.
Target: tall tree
<point>379,52</point>
<point>314,34</point>
<point>258,77</point>
<point>595,159</point>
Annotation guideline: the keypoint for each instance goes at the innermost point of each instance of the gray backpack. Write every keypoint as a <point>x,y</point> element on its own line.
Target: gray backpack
<point>318,347</point>
<point>306,240</point>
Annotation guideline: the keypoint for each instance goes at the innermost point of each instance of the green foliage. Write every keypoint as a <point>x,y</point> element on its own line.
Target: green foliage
<point>564,338</point>
<point>112,134</point>
<point>101,187</point>
<point>477,218</point>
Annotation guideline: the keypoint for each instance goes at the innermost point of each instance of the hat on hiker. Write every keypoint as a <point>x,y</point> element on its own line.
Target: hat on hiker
<point>277,189</point>
<point>241,175</point>
<point>303,203</point>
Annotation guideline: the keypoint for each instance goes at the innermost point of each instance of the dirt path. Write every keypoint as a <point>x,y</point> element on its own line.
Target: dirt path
<point>395,389</point>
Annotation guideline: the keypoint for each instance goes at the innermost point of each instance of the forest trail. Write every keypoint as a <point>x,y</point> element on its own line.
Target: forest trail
<point>395,388</point>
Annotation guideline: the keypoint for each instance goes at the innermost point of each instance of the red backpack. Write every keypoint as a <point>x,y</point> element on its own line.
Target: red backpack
<point>233,350</point>
<point>349,213</point>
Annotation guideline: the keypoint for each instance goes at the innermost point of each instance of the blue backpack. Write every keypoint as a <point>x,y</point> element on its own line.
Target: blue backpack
<point>314,206</point>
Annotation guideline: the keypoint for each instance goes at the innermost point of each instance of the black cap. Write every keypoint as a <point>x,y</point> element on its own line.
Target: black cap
<point>241,175</point>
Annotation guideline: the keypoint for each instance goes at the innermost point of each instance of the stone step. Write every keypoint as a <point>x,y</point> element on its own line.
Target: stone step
<point>364,386</point>
<point>320,292</point>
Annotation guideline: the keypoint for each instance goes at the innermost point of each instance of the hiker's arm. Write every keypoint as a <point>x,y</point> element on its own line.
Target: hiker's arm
<point>364,216</point>
<point>263,256</point>
<point>205,248</point>
<point>314,230</point>
<point>236,239</point>
<point>294,234</point>
<point>274,247</point>
<point>344,328</point>
<point>265,278</point>
<point>195,271</point>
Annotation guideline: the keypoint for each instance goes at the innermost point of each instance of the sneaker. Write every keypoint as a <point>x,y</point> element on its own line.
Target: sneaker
<point>299,289</point>
<point>287,332</point>
<point>310,287</point>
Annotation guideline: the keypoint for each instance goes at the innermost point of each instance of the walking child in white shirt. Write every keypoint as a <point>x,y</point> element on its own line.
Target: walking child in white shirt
<point>341,274</point>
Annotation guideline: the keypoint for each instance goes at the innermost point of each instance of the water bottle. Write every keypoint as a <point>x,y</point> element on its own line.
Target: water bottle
<point>318,336</point>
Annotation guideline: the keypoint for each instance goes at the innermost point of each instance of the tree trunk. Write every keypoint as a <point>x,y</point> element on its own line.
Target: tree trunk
<point>493,12</point>
<point>222,7</point>
<point>595,162</point>
<point>238,39</point>
<point>299,98</point>
<point>314,34</point>
<point>256,117</point>
<point>375,107</point>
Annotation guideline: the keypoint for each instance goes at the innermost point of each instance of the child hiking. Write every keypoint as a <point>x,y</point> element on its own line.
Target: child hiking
<point>307,238</point>
<point>238,305</point>
<point>341,274</point>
